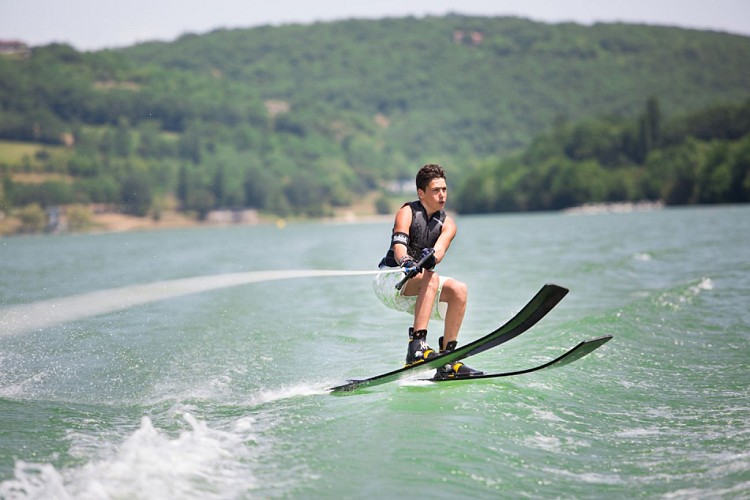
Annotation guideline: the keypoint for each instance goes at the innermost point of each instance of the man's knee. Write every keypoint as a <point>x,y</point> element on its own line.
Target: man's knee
<point>463,291</point>
<point>457,290</point>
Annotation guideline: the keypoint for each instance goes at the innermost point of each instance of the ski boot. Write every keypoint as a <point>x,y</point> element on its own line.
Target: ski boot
<point>455,369</point>
<point>418,350</point>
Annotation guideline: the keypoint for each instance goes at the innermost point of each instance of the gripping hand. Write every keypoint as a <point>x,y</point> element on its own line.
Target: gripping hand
<point>428,259</point>
<point>410,266</point>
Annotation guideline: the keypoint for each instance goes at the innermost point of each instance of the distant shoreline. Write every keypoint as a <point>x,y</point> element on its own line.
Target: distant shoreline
<point>615,208</point>
<point>115,222</point>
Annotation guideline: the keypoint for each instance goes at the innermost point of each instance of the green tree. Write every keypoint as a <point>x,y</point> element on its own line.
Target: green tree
<point>33,219</point>
<point>123,141</point>
<point>649,131</point>
<point>79,218</point>
<point>183,185</point>
<point>136,195</point>
<point>740,163</point>
<point>218,186</point>
<point>202,201</point>
<point>672,174</point>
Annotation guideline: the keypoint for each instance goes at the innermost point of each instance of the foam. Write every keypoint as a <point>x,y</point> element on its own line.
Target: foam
<point>200,462</point>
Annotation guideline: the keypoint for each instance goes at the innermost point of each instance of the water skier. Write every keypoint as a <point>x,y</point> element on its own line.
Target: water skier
<point>421,226</point>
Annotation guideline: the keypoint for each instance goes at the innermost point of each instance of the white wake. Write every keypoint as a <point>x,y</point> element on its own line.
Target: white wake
<point>46,313</point>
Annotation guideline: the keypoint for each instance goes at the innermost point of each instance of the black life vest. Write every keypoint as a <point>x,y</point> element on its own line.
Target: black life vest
<point>423,233</point>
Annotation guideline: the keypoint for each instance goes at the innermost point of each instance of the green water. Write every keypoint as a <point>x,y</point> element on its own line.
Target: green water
<point>219,392</point>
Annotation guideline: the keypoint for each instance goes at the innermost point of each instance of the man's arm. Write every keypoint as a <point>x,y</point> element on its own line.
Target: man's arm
<point>445,239</point>
<point>402,224</point>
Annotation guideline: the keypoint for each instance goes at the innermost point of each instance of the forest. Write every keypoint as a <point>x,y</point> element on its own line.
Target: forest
<point>304,119</point>
<point>699,158</point>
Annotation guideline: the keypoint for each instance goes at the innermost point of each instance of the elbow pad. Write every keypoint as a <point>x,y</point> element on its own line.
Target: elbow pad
<point>400,239</point>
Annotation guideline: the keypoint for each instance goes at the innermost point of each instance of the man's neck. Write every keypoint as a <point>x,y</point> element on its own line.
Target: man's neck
<point>427,210</point>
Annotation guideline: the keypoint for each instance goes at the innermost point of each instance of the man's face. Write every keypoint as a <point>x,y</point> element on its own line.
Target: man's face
<point>434,196</point>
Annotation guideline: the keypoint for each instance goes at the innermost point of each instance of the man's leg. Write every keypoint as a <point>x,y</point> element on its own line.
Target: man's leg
<point>455,294</point>
<point>425,287</point>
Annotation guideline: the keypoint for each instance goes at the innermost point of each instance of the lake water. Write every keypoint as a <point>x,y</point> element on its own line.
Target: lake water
<point>184,364</point>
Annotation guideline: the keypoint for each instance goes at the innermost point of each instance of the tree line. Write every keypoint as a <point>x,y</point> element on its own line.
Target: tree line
<point>700,158</point>
<point>301,119</point>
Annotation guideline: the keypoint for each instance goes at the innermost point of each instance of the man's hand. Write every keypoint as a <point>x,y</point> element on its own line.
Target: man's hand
<point>428,259</point>
<point>410,266</point>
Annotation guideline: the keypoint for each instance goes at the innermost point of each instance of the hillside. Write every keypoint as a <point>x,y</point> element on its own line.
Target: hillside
<point>304,118</point>
<point>491,84</point>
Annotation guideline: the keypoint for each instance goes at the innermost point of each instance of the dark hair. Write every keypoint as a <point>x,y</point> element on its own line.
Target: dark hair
<point>427,173</point>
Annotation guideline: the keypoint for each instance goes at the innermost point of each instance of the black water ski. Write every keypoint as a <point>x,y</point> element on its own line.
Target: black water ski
<point>574,354</point>
<point>543,302</point>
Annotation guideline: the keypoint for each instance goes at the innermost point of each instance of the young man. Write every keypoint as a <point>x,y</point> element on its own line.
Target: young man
<point>421,226</point>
